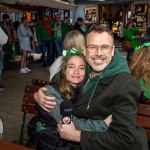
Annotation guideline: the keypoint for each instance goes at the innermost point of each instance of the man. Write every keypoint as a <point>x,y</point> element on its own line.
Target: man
<point>79,25</point>
<point>60,31</point>
<point>8,47</point>
<point>110,89</point>
<point>44,36</point>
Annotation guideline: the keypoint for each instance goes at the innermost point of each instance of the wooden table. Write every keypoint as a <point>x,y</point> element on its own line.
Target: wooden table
<point>5,145</point>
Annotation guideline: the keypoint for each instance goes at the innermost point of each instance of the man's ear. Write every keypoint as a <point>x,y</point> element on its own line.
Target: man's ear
<point>84,52</point>
<point>113,50</point>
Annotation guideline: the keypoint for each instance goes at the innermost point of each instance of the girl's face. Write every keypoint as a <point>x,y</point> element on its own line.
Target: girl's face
<point>75,71</point>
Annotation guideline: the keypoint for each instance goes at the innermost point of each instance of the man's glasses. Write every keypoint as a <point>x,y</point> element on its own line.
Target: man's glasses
<point>104,48</point>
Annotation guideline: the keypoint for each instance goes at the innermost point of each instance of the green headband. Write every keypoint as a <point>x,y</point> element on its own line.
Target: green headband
<point>72,52</point>
<point>141,46</point>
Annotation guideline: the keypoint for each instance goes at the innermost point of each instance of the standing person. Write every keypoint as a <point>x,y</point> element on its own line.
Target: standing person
<point>24,35</point>
<point>8,47</point>
<point>140,68</point>
<point>44,36</point>
<point>60,31</point>
<point>110,89</point>
<point>73,39</point>
<point>69,24</point>
<point>78,26</point>
<point>131,33</point>
<point>3,40</point>
<point>148,32</point>
<point>65,87</point>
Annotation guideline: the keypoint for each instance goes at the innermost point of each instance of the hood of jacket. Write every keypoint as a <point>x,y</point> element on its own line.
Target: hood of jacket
<point>117,65</point>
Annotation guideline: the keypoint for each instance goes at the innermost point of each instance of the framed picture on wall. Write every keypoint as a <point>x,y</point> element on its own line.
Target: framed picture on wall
<point>90,13</point>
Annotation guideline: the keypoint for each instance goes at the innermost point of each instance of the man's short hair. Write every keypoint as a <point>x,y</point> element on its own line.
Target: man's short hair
<point>5,16</point>
<point>100,29</point>
<point>80,19</point>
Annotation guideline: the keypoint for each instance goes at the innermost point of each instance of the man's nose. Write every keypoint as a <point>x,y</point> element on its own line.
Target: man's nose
<point>99,51</point>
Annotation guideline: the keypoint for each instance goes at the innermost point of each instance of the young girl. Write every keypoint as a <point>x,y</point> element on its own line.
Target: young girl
<point>140,68</point>
<point>64,86</point>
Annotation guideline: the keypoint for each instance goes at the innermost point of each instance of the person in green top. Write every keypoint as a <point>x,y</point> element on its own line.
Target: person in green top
<point>60,30</point>
<point>131,33</point>
<point>44,36</point>
<point>140,68</point>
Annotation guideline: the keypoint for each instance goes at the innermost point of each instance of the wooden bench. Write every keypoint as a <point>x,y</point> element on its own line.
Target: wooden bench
<point>28,106</point>
<point>28,103</point>
<point>143,117</point>
<point>5,145</point>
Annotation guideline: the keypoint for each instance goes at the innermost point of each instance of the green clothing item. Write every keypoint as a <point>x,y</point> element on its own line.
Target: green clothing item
<point>64,30</point>
<point>42,34</point>
<point>80,123</point>
<point>145,88</point>
<point>117,65</point>
<point>128,33</point>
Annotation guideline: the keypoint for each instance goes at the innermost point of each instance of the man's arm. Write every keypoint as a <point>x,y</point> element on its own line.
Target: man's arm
<point>80,123</point>
<point>122,131</point>
<point>46,102</point>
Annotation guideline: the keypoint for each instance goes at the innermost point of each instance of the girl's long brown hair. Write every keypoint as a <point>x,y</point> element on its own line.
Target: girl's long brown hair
<point>60,78</point>
<point>140,64</point>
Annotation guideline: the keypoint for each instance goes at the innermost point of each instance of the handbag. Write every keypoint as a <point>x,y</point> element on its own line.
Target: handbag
<point>126,45</point>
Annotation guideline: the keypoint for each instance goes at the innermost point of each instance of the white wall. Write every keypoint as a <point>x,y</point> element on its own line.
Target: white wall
<point>80,10</point>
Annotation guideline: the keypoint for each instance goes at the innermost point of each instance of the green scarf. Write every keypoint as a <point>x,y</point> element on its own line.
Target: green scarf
<point>117,65</point>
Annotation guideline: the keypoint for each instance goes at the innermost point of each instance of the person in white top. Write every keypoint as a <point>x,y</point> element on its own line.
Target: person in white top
<point>73,39</point>
<point>3,40</point>
<point>24,35</point>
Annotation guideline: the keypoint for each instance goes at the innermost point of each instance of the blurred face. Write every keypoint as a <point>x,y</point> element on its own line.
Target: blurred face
<point>57,19</point>
<point>130,25</point>
<point>75,71</point>
<point>7,20</point>
<point>99,51</point>
<point>25,22</point>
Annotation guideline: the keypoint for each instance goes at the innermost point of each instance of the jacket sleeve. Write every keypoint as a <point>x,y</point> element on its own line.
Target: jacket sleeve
<point>122,130</point>
<point>89,124</point>
<point>55,112</point>
<point>80,123</point>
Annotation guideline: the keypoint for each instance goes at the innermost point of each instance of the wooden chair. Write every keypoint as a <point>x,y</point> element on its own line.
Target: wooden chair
<point>5,145</point>
<point>38,82</point>
<point>143,117</point>
<point>28,106</point>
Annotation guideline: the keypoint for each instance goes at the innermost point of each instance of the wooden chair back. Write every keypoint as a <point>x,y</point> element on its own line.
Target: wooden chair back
<point>38,82</point>
<point>143,117</point>
<point>28,106</point>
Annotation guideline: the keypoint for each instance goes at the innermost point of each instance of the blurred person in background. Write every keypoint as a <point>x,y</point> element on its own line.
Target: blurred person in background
<point>131,33</point>
<point>44,36</point>
<point>8,47</point>
<point>24,34</point>
<point>3,40</point>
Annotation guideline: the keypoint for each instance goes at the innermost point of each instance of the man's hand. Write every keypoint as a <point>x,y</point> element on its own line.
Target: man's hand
<point>44,101</point>
<point>108,120</point>
<point>69,132</point>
